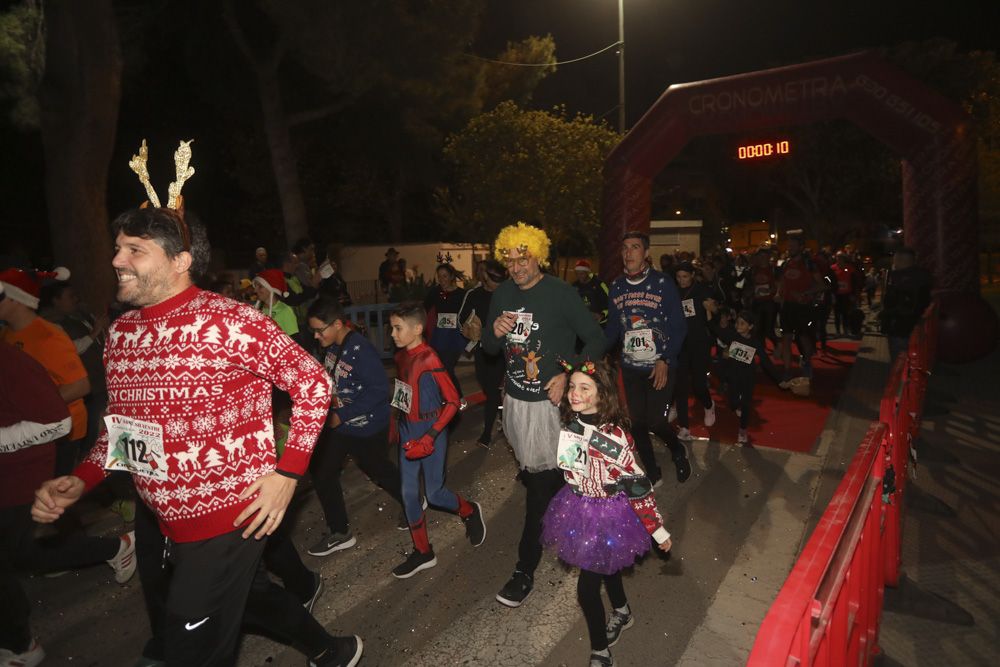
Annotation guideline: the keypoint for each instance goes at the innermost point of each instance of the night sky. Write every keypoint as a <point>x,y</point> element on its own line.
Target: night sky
<point>676,41</point>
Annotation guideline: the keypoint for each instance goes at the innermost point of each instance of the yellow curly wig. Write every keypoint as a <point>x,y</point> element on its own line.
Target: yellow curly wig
<point>525,239</point>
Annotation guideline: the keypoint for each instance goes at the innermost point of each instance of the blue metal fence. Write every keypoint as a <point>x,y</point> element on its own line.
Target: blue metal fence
<point>372,320</point>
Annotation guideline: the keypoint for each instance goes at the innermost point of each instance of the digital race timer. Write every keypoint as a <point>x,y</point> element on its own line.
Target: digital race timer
<point>766,149</point>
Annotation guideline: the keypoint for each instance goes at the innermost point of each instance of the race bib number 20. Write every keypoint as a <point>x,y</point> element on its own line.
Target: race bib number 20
<point>522,328</point>
<point>135,446</point>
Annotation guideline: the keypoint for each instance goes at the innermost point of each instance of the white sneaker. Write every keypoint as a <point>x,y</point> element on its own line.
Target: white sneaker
<point>743,439</point>
<point>672,414</point>
<point>710,415</point>
<point>33,656</point>
<point>684,434</point>
<point>463,404</point>
<point>124,561</point>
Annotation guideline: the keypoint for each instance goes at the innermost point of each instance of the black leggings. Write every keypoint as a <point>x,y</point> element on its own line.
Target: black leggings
<point>588,592</point>
<point>692,373</point>
<point>449,358</point>
<point>766,314</point>
<point>489,374</point>
<point>541,487</point>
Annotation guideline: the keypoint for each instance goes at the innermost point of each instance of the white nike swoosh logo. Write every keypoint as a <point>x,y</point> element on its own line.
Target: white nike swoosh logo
<point>192,626</point>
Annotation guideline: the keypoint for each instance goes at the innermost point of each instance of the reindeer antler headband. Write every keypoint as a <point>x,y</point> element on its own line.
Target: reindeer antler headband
<point>175,202</point>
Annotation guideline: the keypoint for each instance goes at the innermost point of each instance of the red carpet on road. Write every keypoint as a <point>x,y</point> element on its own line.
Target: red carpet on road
<point>781,419</point>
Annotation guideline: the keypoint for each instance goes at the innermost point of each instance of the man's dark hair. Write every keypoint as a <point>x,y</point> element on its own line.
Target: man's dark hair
<point>327,310</point>
<point>496,271</point>
<point>302,244</point>
<point>412,311</point>
<point>51,291</point>
<point>164,225</point>
<point>637,235</point>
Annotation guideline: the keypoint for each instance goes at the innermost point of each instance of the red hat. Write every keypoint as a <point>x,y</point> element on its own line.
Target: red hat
<point>582,265</point>
<point>25,286</point>
<point>272,280</point>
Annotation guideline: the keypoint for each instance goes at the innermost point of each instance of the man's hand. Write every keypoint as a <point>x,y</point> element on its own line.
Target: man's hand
<point>334,420</point>
<point>665,547</point>
<point>274,492</point>
<point>504,324</point>
<point>659,374</point>
<point>54,496</point>
<point>556,387</point>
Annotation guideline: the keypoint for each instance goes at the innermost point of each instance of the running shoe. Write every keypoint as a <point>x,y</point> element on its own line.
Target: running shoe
<point>475,526</point>
<point>672,414</point>
<point>33,656</point>
<point>598,660</point>
<point>330,543</point>
<point>683,433</point>
<point>124,561</point>
<point>516,589</point>
<point>743,439</point>
<point>710,415</point>
<point>616,624</point>
<point>342,652</point>
<point>317,591</point>
<point>414,563</point>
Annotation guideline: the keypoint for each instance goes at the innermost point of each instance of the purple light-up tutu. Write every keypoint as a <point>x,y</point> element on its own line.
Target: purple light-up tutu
<point>602,535</point>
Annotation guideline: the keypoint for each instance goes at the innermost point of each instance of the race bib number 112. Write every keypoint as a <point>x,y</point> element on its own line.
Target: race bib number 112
<point>135,446</point>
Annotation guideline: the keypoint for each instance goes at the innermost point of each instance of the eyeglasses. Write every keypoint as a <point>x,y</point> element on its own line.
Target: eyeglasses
<point>519,262</point>
<point>319,332</point>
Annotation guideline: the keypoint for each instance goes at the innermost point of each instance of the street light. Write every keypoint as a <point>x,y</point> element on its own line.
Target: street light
<point>621,66</point>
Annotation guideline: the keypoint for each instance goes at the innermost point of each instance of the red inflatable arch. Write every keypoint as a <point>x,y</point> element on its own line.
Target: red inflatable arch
<point>931,134</point>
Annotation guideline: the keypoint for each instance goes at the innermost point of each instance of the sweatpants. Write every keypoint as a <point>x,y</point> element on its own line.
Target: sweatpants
<point>489,375</point>
<point>648,408</point>
<point>371,453</point>
<point>692,375</point>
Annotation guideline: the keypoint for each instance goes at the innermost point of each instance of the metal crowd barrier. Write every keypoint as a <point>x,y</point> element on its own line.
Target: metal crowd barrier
<point>827,613</point>
<point>372,320</point>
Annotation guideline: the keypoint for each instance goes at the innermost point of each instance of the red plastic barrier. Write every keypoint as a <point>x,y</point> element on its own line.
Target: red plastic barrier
<point>828,611</point>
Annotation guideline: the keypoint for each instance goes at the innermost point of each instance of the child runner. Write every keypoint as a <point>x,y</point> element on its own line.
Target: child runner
<point>425,400</point>
<point>602,519</point>
<point>741,347</point>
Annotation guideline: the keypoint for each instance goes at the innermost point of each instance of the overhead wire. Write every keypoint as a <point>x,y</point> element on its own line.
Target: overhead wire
<point>561,62</point>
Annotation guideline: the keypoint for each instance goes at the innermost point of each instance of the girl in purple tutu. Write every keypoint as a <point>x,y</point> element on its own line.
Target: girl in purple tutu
<point>602,519</point>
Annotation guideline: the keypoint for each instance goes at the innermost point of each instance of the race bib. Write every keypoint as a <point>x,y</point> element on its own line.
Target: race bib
<point>762,290</point>
<point>136,447</point>
<point>447,321</point>
<point>522,328</point>
<point>402,396</point>
<point>688,306</point>
<point>639,344</point>
<point>742,353</point>
<point>572,451</point>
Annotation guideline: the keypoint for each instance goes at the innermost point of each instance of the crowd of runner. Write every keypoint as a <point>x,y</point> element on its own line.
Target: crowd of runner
<point>210,411</point>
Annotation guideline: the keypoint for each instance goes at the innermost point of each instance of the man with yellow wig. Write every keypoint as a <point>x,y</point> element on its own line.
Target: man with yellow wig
<point>535,319</point>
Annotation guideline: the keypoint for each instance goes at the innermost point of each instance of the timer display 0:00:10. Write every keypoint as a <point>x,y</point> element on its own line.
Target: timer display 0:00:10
<point>763,150</point>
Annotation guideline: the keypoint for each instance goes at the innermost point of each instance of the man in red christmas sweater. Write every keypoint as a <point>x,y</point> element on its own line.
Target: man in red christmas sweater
<point>189,376</point>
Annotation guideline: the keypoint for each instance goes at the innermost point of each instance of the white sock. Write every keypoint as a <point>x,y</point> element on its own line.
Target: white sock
<point>606,653</point>
<point>624,611</point>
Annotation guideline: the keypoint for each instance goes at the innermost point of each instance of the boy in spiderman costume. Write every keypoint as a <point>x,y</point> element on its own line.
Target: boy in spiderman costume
<point>426,400</point>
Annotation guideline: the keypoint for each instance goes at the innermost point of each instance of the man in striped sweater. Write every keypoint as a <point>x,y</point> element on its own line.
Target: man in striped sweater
<point>189,376</point>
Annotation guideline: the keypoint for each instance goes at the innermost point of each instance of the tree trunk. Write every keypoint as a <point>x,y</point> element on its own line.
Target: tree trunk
<point>279,142</point>
<point>79,98</point>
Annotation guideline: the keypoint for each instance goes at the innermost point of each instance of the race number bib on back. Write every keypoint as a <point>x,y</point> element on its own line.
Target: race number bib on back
<point>522,328</point>
<point>447,321</point>
<point>135,446</point>
<point>572,451</point>
<point>639,344</point>
<point>688,306</point>
<point>402,396</point>
<point>742,353</point>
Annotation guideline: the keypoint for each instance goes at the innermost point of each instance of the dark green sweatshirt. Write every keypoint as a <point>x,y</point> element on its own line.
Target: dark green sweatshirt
<point>551,317</point>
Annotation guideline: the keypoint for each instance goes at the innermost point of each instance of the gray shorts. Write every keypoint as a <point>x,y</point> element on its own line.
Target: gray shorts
<point>532,429</point>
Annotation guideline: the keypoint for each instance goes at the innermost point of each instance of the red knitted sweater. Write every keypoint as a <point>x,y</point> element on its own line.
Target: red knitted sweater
<point>201,366</point>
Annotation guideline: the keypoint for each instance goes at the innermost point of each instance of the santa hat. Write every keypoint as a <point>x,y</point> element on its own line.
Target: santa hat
<point>582,265</point>
<point>273,280</point>
<point>25,286</point>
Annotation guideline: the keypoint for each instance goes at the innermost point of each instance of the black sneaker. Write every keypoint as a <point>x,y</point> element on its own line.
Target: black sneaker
<point>475,526</point>
<point>343,652</point>
<point>516,589</point>
<point>598,660</point>
<point>683,468</point>
<point>330,543</point>
<point>415,562</point>
<point>317,591</point>
<point>616,624</point>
